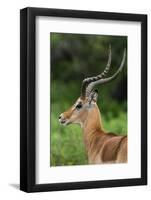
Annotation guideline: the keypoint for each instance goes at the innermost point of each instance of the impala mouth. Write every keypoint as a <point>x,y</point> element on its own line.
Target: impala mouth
<point>64,122</point>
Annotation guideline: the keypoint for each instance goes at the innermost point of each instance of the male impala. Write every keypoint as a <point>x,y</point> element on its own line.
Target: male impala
<point>101,146</point>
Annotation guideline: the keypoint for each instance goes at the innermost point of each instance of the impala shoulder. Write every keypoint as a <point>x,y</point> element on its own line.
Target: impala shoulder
<point>111,147</point>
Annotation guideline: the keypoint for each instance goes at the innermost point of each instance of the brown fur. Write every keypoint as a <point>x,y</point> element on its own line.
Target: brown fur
<point>101,147</point>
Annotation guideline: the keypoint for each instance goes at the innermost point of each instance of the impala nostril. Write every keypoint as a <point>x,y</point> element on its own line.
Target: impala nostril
<point>60,117</point>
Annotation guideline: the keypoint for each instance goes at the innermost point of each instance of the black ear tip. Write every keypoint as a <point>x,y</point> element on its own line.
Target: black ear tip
<point>96,91</point>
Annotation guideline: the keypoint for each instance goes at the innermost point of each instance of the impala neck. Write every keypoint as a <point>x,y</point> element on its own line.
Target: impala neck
<point>92,128</point>
<point>92,123</point>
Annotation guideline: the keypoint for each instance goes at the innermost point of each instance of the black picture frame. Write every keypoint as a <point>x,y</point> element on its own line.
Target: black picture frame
<point>28,98</point>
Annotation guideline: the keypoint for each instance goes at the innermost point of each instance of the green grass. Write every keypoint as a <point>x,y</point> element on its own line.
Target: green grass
<point>67,147</point>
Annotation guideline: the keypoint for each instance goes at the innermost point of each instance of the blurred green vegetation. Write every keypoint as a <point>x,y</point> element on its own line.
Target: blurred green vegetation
<point>74,57</point>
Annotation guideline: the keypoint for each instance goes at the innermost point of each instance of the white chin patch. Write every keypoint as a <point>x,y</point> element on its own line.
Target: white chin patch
<point>65,123</point>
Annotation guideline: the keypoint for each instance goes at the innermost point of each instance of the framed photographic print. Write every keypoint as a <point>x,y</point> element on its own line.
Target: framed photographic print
<point>83,99</point>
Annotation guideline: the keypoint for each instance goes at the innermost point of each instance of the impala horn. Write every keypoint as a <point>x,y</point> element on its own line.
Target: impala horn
<point>89,83</point>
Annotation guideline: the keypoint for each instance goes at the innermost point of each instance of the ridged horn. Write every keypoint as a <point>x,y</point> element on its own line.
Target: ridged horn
<point>89,80</point>
<point>100,81</point>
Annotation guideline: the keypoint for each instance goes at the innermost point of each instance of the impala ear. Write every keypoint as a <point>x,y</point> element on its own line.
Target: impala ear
<point>93,97</point>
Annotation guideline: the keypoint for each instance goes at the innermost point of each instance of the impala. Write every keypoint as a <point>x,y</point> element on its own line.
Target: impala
<point>101,146</point>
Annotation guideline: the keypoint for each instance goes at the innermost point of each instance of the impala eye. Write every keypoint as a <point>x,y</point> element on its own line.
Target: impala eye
<point>78,106</point>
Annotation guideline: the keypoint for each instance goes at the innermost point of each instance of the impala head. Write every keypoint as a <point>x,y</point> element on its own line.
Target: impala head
<point>78,112</point>
<point>86,103</point>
